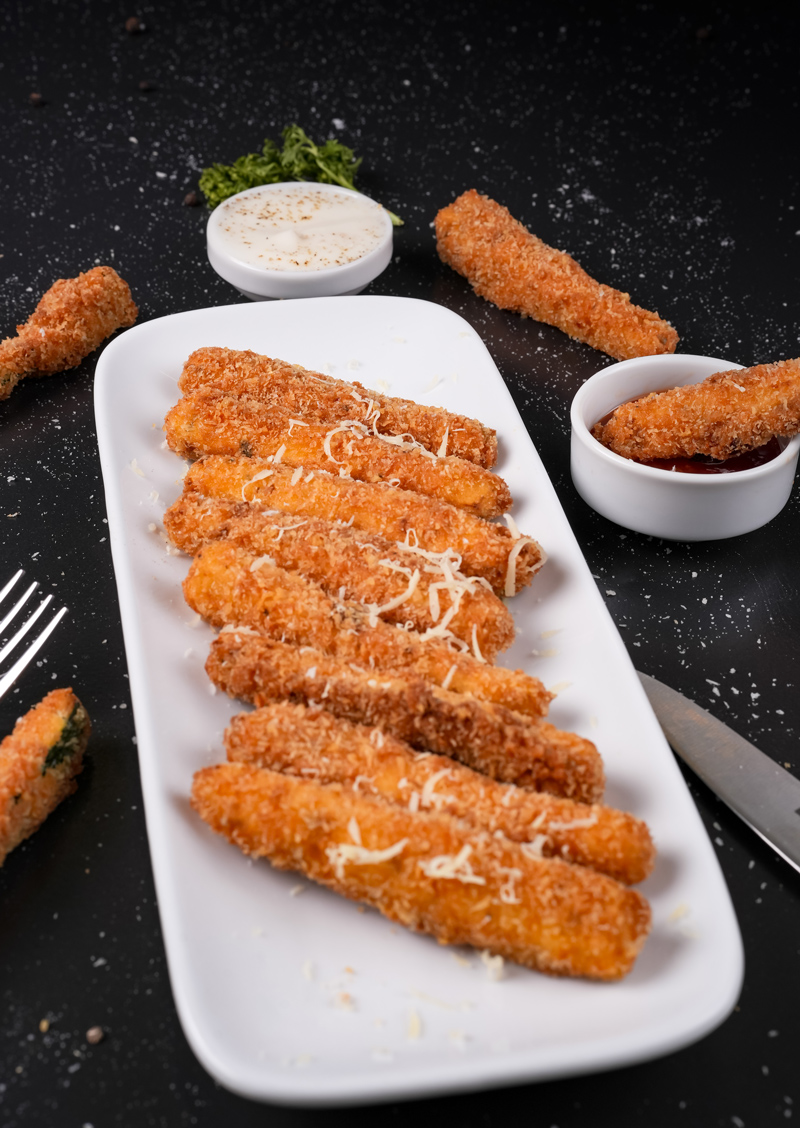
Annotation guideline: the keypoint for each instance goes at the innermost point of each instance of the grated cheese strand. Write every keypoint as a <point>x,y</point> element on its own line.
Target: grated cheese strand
<point>346,854</point>
<point>453,867</point>
<point>427,797</point>
<point>256,478</point>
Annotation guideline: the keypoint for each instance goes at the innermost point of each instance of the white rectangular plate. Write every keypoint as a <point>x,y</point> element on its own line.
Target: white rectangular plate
<point>286,992</point>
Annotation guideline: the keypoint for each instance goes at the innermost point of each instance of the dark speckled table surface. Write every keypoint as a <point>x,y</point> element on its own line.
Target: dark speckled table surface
<point>660,150</point>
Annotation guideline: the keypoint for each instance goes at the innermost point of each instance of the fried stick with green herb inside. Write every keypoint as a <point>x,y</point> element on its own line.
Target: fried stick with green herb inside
<point>38,765</point>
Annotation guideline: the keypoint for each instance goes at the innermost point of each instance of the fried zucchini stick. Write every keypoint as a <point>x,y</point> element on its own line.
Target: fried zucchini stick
<point>507,265</point>
<point>506,561</point>
<point>72,319</point>
<point>726,414</point>
<point>392,582</point>
<point>223,587</point>
<point>38,765</point>
<point>430,872</point>
<point>315,744</point>
<point>211,422</point>
<point>484,736</point>
<point>321,399</point>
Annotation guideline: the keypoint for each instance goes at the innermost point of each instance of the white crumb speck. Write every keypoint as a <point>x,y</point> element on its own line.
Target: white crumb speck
<point>495,965</point>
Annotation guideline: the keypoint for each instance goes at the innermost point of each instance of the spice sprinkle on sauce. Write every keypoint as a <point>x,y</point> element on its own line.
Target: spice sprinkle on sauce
<point>299,227</point>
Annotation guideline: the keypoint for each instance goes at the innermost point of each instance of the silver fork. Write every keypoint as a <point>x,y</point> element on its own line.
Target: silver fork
<point>35,646</point>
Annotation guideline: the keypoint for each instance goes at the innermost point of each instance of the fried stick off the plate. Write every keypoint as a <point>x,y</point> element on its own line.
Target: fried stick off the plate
<point>515,270</point>
<point>72,319</point>
<point>211,422</point>
<point>507,561</point>
<point>392,582</point>
<point>225,589</point>
<point>487,737</point>
<point>313,396</point>
<point>430,872</point>
<point>724,415</point>
<point>39,761</point>
<point>314,744</point>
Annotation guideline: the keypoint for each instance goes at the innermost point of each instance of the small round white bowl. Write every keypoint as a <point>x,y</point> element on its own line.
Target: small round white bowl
<point>664,503</point>
<point>259,284</point>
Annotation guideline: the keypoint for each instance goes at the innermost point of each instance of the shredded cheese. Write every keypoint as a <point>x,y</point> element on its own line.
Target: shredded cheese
<point>511,566</point>
<point>446,683</point>
<point>453,867</point>
<point>398,599</point>
<point>576,824</point>
<point>346,854</point>
<point>508,892</point>
<point>476,650</point>
<point>256,478</point>
<point>427,797</point>
<point>442,451</point>
<point>260,561</point>
<point>535,848</point>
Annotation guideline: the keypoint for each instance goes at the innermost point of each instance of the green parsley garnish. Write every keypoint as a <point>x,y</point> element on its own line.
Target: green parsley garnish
<point>299,159</point>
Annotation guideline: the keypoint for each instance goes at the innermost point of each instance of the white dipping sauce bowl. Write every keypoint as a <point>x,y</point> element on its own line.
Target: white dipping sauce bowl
<point>664,503</point>
<point>260,284</point>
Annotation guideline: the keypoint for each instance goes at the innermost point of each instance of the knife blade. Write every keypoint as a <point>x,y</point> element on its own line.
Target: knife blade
<point>760,791</point>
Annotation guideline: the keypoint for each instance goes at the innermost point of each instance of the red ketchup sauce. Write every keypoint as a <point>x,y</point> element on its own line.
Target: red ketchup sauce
<point>702,464</point>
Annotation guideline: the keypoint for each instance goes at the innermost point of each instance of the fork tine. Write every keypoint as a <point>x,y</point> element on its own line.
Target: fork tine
<point>18,637</point>
<point>10,585</point>
<point>9,678</point>
<point>20,603</point>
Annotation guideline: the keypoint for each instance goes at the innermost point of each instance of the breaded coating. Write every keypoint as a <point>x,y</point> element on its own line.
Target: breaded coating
<point>226,589</point>
<point>321,399</point>
<point>314,744</point>
<point>506,561</point>
<point>38,765</point>
<point>391,581</point>
<point>210,422</point>
<point>487,737</point>
<point>725,414</point>
<point>430,872</point>
<point>507,265</point>
<point>73,318</point>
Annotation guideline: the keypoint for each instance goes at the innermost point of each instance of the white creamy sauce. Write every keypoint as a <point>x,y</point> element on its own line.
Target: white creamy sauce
<point>299,228</point>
